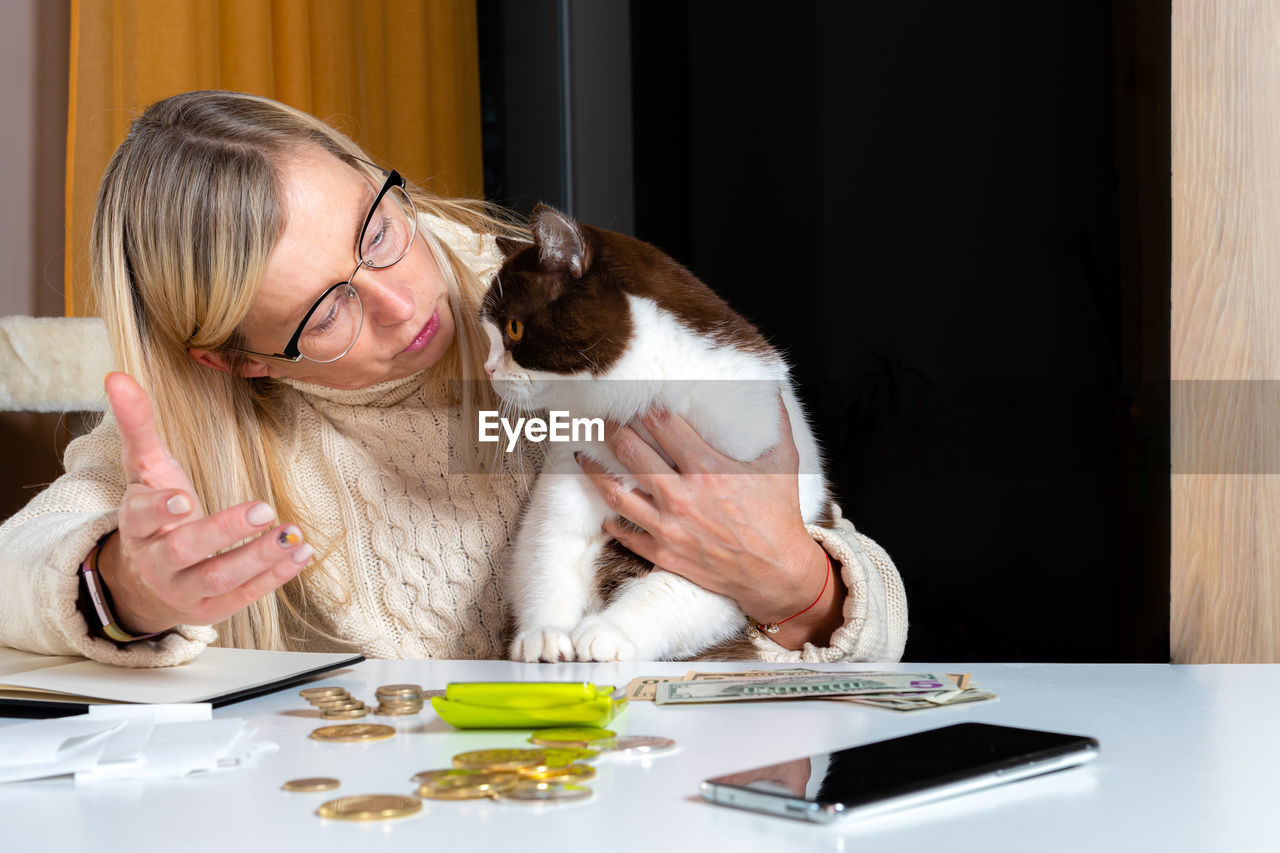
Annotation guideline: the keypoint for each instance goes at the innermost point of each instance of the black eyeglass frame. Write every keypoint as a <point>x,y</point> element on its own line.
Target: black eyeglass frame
<point>291,352</point>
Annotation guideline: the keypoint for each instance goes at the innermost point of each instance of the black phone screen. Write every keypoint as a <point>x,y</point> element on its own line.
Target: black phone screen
<point>901,766</point>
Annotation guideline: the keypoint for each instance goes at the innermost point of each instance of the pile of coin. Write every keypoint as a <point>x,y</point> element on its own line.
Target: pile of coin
<point>554,771</point>
<point>511,774</point>
<point>398,700</point>
<point>334,703</point>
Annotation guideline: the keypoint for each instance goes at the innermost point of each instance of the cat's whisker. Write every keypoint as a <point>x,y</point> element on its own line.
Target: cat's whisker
<point>597,341</point>
<point>508,411</point>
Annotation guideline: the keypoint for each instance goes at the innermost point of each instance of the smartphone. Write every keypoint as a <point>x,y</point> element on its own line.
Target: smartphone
<point>868,780</point>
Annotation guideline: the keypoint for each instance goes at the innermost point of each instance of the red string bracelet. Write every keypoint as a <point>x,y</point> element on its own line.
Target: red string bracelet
<point>754,628</point>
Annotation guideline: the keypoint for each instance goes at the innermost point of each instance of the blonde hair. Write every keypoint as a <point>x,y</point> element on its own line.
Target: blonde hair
<point>187,214</point>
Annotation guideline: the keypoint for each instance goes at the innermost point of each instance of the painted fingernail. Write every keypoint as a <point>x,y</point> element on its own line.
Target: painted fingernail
<point>288,537</point>
<point>260,514</point>
<point>577,456</point>
<point>178,505</point>
<point>303,553</point>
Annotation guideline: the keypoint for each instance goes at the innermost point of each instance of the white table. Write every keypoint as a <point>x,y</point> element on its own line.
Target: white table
<point>1189,760</point>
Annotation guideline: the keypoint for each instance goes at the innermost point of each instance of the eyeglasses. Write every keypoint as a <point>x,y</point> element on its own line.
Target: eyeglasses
<point>330,327</point>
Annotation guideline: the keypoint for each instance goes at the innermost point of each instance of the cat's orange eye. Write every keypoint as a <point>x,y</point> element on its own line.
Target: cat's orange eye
<point>515,329</point>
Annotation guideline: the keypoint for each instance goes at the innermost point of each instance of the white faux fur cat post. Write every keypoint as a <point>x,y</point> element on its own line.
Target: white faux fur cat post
<point>53,364</point>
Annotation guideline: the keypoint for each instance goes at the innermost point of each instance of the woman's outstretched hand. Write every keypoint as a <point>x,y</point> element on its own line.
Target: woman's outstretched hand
<point>163,565</point>
<point>731,527</point>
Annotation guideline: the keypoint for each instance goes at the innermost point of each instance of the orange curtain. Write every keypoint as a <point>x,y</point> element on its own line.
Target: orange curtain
<point>400,76</point>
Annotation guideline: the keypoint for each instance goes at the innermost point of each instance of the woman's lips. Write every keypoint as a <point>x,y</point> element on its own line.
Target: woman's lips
<point>428,332</point>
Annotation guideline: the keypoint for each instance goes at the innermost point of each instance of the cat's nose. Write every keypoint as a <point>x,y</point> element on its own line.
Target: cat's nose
<point>489,367</point>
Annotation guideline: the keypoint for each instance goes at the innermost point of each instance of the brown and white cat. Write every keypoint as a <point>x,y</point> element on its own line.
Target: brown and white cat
<point>602,325</point>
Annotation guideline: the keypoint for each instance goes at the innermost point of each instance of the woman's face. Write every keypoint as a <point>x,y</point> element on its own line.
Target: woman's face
<point>407,323</point>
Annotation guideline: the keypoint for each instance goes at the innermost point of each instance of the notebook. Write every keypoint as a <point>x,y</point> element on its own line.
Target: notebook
<point>33,685</point>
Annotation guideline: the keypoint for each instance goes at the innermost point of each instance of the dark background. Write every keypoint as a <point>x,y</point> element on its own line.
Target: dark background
<point>954,218</point>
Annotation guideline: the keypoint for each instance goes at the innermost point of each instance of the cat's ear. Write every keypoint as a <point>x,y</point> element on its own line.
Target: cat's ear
<point>509,246</point>
<point>561,244</point>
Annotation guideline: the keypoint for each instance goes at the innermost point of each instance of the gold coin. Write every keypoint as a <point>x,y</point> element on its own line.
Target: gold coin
<point>317,692</point>
<point>370,807</point>
<point>567,773</point>
<point>313,783</point>
<point>501,759</point>
<point>582,736</point>
<point>345,714</point>
<point>399,690</point>
<point>353,733</point>
<point>544,791</point>
<point>560,756</point>
<point>340,705</point>
<point>383,711</point>
<point>471,786</point>
<point>431,775</point>
<point>638,745</point>
<point>479,792</point>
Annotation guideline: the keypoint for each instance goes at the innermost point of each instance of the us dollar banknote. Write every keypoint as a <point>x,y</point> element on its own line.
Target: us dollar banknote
<point>817,685</point>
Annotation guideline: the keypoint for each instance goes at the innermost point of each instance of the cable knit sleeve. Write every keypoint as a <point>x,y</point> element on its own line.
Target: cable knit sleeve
<point>875,612</point>
<point>41,548</point>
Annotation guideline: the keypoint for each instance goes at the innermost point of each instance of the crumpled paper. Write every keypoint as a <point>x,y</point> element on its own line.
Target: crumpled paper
<point>114,742</point>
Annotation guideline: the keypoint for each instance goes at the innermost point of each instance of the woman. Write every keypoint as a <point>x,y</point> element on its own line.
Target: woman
<point>296,485</point>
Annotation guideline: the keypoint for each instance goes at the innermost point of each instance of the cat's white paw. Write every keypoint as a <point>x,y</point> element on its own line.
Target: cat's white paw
<point>548,645</point>
<point>598,639</point>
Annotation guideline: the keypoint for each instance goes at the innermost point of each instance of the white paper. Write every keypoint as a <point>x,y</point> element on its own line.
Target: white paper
<point>128,743</point>
<point>115,742</point>
<point>39,742</point>
<point>52,747</point>
<point>180,739</point>
<point>245,748</point>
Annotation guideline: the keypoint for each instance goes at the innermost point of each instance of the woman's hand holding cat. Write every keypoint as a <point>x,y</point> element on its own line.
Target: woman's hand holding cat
<point>731,527</point>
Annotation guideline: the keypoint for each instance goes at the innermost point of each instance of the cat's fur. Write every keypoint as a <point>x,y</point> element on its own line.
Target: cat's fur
<point>598,307</point>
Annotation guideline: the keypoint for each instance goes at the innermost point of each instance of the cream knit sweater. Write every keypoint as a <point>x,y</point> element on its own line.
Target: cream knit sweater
<point>423,547</point>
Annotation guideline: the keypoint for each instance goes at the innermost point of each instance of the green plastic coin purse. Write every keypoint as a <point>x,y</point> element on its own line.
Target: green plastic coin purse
<point>527,704</point>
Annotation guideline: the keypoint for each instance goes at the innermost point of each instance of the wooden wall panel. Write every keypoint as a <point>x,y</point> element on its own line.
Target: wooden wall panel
<point>1225,331</point>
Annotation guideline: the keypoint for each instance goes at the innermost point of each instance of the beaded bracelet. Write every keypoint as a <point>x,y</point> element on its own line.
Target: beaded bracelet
<point>755,628</point>
<point>98,595</point>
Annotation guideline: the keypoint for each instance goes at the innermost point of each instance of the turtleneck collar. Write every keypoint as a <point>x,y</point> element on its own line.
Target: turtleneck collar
<point>383,394</point>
